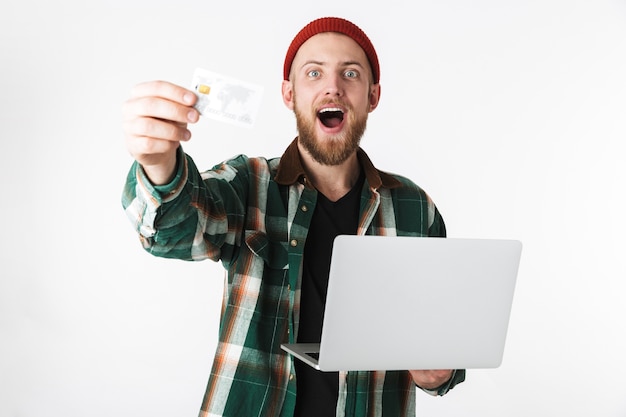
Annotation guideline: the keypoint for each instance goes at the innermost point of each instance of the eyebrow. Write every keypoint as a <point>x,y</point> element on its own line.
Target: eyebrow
<point>321,63</point>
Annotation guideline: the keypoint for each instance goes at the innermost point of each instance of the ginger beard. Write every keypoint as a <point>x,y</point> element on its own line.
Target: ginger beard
<point>332,149</point>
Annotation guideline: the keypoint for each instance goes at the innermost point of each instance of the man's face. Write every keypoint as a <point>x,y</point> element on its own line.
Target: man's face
<point>331,93</point>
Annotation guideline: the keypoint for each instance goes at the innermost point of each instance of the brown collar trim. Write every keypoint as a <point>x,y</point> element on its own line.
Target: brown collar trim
<point>290,170</point>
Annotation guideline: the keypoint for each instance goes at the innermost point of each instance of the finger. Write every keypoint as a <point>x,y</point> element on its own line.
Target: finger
<point>150,127</point>
<point>166,90</point>
<point>159,108</point>
<point>144,147</point>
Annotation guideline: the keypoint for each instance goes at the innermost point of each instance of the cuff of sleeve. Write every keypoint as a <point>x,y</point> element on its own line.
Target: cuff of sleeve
<point>150,197</point>
<point>163,193</point>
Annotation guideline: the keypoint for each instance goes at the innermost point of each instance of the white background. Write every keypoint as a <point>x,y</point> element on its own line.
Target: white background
<point>509,113</point>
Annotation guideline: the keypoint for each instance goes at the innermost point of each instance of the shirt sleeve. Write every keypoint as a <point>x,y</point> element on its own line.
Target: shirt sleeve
<point>194,217</point>
<point>141,199</point>
<point>436,225</point>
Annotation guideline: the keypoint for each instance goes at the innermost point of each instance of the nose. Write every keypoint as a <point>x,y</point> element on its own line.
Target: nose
<point>333,85</point>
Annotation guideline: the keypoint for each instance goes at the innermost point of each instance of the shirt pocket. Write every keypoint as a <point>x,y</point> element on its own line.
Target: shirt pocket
<point>274,254</point>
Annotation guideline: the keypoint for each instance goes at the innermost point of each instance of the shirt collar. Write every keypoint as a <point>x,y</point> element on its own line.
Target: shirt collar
<point>290,170</point>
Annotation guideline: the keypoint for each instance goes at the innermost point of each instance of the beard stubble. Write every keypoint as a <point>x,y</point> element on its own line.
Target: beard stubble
<point>335,149</point>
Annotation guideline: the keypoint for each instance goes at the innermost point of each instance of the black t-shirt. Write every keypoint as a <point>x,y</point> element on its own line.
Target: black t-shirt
<point>318,391</point>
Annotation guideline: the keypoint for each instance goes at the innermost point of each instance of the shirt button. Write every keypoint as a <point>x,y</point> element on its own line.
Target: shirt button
<point>291,377</point>
<point>293,243</point>
<point>304,208</point>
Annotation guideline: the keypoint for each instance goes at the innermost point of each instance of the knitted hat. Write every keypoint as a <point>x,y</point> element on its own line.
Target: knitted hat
<point>333,24</point>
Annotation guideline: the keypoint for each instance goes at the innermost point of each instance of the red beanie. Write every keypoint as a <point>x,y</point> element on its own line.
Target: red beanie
<point>333,24</point>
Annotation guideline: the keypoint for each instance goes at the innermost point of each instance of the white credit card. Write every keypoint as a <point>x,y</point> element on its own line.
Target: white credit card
<point>226,99</point>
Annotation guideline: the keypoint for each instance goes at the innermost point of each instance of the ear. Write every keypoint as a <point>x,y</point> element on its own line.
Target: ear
<point>287,91</point>
<point>374,96</point>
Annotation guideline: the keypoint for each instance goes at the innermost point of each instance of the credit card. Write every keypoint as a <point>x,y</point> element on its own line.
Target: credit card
<point>226,99</point>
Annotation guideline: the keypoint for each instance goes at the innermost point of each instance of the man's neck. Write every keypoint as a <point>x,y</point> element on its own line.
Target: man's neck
<point>334,181</point>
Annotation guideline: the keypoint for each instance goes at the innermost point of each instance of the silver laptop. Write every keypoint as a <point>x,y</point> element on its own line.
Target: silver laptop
<point>398,303</point>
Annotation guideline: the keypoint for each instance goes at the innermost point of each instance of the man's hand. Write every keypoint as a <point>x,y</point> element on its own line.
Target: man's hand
<point>155,122</point>
<point>431,379</point>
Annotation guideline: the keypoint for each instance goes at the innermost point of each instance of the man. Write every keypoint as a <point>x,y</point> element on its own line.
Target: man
<point>272,222</point>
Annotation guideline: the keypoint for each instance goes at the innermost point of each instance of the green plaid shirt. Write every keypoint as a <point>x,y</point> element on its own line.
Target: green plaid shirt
<point>253,214</point>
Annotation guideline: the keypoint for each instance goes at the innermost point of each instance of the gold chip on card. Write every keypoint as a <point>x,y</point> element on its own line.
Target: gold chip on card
<point>204,89</point>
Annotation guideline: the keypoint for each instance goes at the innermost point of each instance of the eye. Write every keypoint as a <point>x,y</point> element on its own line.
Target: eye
<point>351,74</point>
<point>313,74</point>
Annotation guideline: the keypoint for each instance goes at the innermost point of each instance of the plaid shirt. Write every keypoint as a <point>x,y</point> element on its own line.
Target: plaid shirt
<point>253,214</point>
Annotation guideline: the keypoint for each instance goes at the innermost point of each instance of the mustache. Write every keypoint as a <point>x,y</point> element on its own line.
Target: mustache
<point>335,102</point>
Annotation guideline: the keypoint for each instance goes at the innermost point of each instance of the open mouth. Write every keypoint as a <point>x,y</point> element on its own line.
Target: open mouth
<point>331,116</point>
